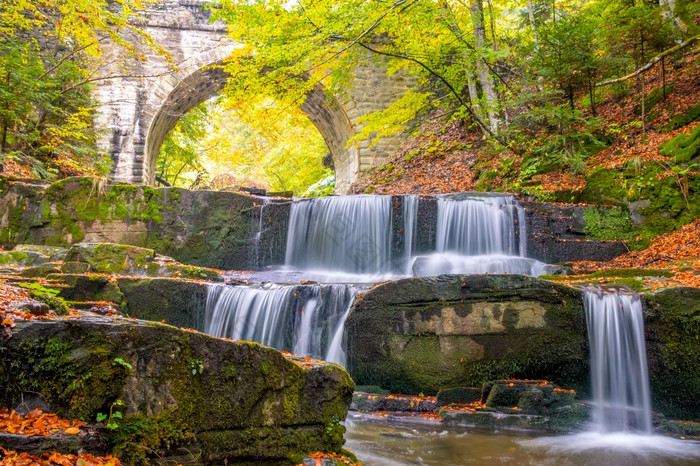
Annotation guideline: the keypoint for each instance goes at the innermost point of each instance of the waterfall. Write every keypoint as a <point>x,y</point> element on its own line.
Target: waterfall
<point>410,223</point>
<point>477,225</point>
<point>301,319</point>
<point>477,234</point>
<point>341,233</point>
<point>618,361</point>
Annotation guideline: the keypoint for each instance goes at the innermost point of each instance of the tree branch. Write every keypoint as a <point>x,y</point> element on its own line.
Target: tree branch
<point>653,61</point>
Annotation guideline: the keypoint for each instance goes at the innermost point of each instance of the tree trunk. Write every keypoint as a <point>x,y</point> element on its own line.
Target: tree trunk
<point>483,73</point>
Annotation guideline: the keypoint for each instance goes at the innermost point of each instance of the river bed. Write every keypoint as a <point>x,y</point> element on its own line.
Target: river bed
<point>392,442</point>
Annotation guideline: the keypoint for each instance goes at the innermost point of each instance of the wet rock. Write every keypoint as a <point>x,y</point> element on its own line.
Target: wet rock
<point>37,309</point>
<point>464,395</point>
<point>672,328</point>
<point>528,396</point>
<point>392,403</point>
<point>425,334</point>
<point>39,271</point>
<point>105,309</point>
<point>223,401</point>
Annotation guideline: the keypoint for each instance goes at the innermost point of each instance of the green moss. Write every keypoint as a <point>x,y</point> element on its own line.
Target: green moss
<point>683,148</point>
<point>680,120</point>
<point>138,437</point>
<point>607,224</point>
<point>52,368</point>
<point>14,258</point>
<point>673,348</point>
<point>652,99</point>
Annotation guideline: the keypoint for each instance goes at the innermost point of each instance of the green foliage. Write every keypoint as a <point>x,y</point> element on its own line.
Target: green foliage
<point>181,151</point>
<point>196,366</point>
<point>110,419</point>
<point>555,136</point>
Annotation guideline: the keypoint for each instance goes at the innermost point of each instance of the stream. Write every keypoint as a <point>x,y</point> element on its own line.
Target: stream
<point>393,442</point>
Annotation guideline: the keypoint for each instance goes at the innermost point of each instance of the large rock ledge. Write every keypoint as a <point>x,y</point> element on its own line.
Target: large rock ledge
<point>183,391</point>
<point>425,334</point>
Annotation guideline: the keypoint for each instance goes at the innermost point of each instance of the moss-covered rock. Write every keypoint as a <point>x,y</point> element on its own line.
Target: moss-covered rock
<point>224,400</point>
<point>117,259</point>
<point>448,396</point>
<point>22,258</point>
<point>672,319</point>
<point>422,335</point>
<point>76,287</point>
<point>207,228</point>
<point>177,302</point>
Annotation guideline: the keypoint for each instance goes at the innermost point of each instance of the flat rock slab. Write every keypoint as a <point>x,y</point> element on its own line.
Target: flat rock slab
<point>88,440</point>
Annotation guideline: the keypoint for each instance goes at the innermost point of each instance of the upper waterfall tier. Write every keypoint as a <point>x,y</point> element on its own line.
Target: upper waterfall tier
<point>378,236</point>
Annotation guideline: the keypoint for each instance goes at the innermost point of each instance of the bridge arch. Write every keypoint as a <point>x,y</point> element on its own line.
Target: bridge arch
<point>140,108</point>
<point>203,80</point>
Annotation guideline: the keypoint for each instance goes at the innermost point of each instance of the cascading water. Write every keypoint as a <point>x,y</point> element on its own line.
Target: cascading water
<point>621,396</point>
<point>300,319</point>
<point>477,234</point>
<point>476,226</point>
<point>621,400</point>
<point>349,239</point>
<point>350,234</point>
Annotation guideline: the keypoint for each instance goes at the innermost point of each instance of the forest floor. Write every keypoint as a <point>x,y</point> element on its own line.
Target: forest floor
<point>446,156</point>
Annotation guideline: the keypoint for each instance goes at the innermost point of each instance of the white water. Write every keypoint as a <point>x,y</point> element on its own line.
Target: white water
<point>621,398</point>
<point>348,239</point>
<point>350,234</point>
<point>302,319</point>
<point>619,379</point>
<point>477,225</point>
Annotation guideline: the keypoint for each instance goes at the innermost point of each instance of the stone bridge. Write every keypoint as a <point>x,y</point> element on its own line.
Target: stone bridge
<point>144,103</point>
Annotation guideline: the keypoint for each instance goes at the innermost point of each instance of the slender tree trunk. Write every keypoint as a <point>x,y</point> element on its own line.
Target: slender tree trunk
<point>663,76</point>
<point>535,39</point>
<point>494,43</point>
<point>474,95</point>
<point>644,124</point>
<point>591,94</point>
<point>531,14</point>
<point>3,143</point>
<point>485,78</point>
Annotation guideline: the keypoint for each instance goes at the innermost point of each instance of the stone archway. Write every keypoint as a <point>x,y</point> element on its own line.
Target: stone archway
<point>206,82</point>
<point>142,104</point>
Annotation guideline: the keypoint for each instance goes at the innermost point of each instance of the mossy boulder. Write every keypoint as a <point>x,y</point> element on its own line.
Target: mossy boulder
<point>87,288</point>
<point>22,258</point>
<point>205,228</point>
<point>122,259</point>
<point>672,320</point>
<point>424,334</point>
<point>177,302</point>
<point>117,259</point>
<point>55,253</point>
<point>225,401</point>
